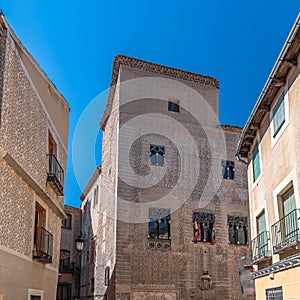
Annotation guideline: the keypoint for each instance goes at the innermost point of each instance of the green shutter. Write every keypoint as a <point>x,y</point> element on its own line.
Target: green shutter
<point>290,220</point>
<point>278,115</point>
<point>263,238</point>
<point>256,163</point>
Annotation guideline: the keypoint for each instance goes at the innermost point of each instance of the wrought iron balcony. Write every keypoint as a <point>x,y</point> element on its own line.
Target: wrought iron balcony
<point>261,249</point>
<point>43,242</point>
<point>55,174</point>
<point>285,232</point>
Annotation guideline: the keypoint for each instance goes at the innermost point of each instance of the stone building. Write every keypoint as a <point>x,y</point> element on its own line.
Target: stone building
<point>173,205</point>
<point>68,286</point>
<point>33,153</point>
<point>270,142</point>
<point>90,221</point>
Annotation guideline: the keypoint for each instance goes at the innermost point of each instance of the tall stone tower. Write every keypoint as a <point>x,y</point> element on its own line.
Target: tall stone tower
<point>173,200</point>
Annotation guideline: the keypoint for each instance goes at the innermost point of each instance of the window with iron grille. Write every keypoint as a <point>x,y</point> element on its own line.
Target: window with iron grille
<point>63,291</point>
<point>237,230</point>
<point>159,226</point>
<point>157,154</point>
<point>204,222</point>
<point>274,293</point>
<point>67,223</point>
<point>227,169</point>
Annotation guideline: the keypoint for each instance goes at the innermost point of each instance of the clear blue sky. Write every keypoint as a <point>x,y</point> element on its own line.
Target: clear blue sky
<point>75,42</point>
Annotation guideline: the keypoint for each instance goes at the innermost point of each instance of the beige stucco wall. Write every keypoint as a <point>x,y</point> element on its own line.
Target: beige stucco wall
<point>18,274</point>
<point>279,161</point>
<point>288,279</point>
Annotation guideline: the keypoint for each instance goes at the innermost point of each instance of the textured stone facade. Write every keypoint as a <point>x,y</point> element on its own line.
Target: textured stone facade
<point>69,268</point>
<point>25,125</point>
<point>175,268</point>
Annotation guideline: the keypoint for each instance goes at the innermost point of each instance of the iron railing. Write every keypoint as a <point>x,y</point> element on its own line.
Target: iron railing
<point>43,241</point>
<point>260,245</point>
<point>55,174</point>
<point>286,231</point>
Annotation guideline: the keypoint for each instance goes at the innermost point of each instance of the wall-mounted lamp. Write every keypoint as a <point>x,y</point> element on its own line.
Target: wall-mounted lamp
<point>79,243</point>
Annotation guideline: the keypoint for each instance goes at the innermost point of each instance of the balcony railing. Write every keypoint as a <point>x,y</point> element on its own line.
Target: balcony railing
<point>43,242</point>
<point>261,249</point>
<point>55,174</point>
<point>286,231</point>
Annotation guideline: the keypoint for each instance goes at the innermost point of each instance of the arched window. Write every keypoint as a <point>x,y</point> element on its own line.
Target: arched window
<point>157,154</point>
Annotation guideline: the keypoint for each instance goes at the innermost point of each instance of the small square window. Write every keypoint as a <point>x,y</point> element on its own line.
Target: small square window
<point>227,169</point>
<point>157,154</point>
<point>173,105</point>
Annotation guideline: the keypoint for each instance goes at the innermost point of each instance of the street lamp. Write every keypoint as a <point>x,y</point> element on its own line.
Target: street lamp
<point>79,243</point>
<point>79,246</point>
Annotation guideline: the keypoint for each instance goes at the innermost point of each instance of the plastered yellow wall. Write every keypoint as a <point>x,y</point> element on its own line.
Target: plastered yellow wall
<point>288,279</point>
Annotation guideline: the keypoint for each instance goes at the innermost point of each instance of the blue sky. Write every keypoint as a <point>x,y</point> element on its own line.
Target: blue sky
<point>75,42</point>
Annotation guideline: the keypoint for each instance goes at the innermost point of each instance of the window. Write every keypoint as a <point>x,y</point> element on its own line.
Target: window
<point>95,196</point>
<point>157,154</point>
<point>159,226</point>
<point>93,250</point>
<point>64,261</point>
<point>204,227</point>
<point>173,105</point>
<point>290,215</point>
<point>256,163</point>
<point>262,236</point>
<point>106,276</point>
<point>92,285</point>
<point>237,230</point>
<point>278,114</point>
<point>63,291</point>
<point>67,223</point>
<point>52,147</point>
<point>274,293</point>
<point>227,169</point>
<point>35,294</point>
<point>39,223</point>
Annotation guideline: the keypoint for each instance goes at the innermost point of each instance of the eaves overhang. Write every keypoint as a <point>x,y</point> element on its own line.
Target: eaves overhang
<point>287,60</point>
